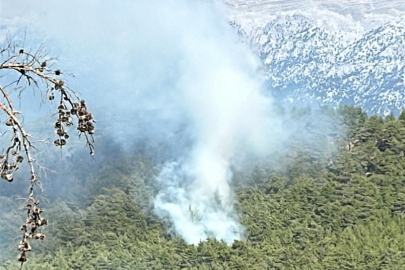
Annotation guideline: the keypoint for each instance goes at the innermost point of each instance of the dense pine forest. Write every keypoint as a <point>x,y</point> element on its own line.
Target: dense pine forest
<point>336,201</point>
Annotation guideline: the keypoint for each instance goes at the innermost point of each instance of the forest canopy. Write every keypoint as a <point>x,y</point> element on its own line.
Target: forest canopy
<point>342,209</point>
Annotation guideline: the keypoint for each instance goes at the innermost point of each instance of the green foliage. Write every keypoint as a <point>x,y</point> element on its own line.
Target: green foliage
<point>342,209</point>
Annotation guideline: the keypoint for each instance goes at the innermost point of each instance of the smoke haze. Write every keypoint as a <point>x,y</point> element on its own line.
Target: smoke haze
<point>171,72</point>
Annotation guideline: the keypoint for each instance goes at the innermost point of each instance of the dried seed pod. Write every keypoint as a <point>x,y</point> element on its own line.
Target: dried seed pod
<point>21,51</point>
<point>20,159</point>
<point>62,142</point>
<point>88,117</point>
<point>23,257</point>
<point>21,247</point>
<point>66,136</point>
<point>10,122</point>
<point>60,132</point>
<point>43,64</point>
<point>58,124</point>
<point>7,176</point>
<point>61,107</point>
<point>82,128</point>
<point>57,142</point>
<point>42,222</point>
<point>24,246</point>
<point>51,97</point>
<point>57,72</point>
<point>40,236</point>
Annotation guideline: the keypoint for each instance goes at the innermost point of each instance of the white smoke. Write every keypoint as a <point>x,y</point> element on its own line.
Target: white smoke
<point>154,66</point>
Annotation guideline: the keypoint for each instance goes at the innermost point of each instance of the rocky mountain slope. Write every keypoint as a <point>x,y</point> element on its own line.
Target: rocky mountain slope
<point>342,60</point>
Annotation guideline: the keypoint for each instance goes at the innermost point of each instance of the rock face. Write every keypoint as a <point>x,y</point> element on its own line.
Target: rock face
<point>309,59</point>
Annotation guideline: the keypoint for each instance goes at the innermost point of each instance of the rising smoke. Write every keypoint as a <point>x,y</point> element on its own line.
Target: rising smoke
<point>152,68</point>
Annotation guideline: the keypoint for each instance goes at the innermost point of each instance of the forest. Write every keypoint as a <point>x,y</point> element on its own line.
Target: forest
<point>334,202</point>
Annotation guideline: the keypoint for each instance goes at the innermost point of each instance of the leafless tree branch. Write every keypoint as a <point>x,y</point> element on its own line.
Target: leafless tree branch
<point>36,70</point>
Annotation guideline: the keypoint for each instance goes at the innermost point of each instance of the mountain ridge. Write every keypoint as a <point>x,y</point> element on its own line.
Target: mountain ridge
<point>307,62</point>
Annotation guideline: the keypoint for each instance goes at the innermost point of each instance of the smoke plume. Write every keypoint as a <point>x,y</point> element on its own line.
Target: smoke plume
<point>172,72</point>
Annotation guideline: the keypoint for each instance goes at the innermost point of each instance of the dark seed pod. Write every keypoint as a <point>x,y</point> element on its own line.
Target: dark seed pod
<point>82,128</point>
<point>58,124</point>
<point>57,72</point>
<point>51,97</point>
<point>63,142</point>
<point>60,132</point>
<point>20,159</point>
<point>66,136</point>
<point>43,64</point>
<point>7,176</point>
<point>10,122</point>
<point>57,142</point>
<point>44,221</point>
<point>21,51</point>
<point>88,117</point>
<point>23,257</point>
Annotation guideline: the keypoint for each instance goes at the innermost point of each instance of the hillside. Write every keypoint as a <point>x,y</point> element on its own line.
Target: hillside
<point>304,210</point>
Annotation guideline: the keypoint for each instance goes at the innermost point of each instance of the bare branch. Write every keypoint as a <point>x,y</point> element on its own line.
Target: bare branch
<point>36,70</point>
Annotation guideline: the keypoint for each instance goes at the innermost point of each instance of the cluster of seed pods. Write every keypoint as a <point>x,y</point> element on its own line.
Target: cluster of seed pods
<point>30,229</point>
<point>67,110</point>
<point>10,160</point>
